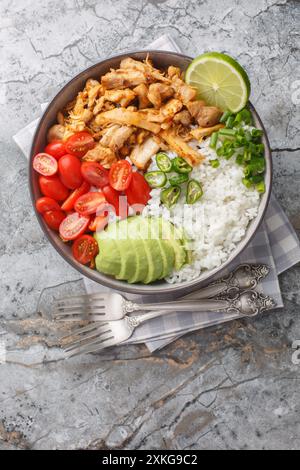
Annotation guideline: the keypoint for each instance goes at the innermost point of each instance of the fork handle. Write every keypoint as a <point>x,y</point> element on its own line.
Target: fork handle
<point>156,310</point>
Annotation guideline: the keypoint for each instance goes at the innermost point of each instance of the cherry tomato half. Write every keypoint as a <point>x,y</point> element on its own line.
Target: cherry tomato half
<point>90,203</point>
<point>56,148</point>
<point>73,226</point>
<point>45,204</point>
<point>138,191</point>
<point>70,171</point>
<point>51,186</point>
<point>85,249</point>
<point>120,175</point>
<point>69,203</point>
<point>98,223</point>
<point>115,199</point>
<point>45,164</point>
<point>95,174</point>
<point>54,218</point>
<point>79,143</point>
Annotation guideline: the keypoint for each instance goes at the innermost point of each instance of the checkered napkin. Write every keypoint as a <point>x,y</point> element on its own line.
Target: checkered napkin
<point>275,244</point>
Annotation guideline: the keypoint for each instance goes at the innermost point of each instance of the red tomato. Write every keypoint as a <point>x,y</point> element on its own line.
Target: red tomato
<point>45,164</point>
<point>51,186</point>
<point>56,148</point>
<point>45,204</point>
<point>95,174</point>
<point>90,203</point>
<point>99,223</point>
<point>70,171</point>
<point>120,175</point>
<point>54,218</point>
<point>85,249</point>
<point>79,143</point>
<point>73,226</point>
<point>115,199</point>
<point>138,191</point>
<point>69,203</point>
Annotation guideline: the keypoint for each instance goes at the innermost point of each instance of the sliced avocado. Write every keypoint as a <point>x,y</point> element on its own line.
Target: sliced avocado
<point>172,235</point>
<point>141,269</point>
<point>155,261</point>
<point>108,261</point>
<point>168,257</point>
<point>128,259</point>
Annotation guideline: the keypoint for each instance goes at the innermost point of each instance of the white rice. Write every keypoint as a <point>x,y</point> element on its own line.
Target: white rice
<point>218,221</point>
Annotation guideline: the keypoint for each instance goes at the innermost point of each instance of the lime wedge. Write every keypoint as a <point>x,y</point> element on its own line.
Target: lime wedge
<point>219,80</point>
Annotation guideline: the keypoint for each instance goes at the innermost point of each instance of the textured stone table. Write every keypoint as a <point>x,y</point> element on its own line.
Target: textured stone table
<point>229,387</point>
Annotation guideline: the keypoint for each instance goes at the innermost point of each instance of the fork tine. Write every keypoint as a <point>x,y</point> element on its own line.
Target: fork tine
<point>84,329</point>
<point>101,296</point>
<point>67,308</point>
<point>75,313</point>
<point>101,345</point>
<point>89,340</point>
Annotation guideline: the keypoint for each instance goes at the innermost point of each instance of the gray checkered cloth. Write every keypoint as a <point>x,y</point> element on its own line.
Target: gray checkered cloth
<point>275,244</point>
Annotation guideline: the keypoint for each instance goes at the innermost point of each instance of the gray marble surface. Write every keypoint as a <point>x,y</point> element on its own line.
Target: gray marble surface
<point>232,387</point>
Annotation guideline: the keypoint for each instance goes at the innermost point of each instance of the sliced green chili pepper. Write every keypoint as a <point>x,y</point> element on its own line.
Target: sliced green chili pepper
<point>156,179</point>
<point>176,180</point>
<point>194,192</point>
<point>163,162</point>
<point>181,166</point>
<point>170,196</point>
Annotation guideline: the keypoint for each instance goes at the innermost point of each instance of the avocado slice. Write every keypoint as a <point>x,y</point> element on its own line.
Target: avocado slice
<point>173,236</point>
<point>128,259</point>
<point>155,261</point>
<point>141,268</point>
<point>168,257</point>
<point>108,261</point>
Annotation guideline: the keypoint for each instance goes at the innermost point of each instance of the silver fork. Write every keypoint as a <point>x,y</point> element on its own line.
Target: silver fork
<point>90,307</point>
<point>98,336</point>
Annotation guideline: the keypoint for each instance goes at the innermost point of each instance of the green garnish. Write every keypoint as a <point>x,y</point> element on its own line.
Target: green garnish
<point>179,179</point>
<point>215,163</point>
<point>181,166</point>
<point>230,122</point>
<point>170,196</point>
<point>225,116</point>
<point>261,187</point>
<point>227,132</point>
<point>164,163</point>
<point>156,179</point>
<point>194,192</point>
<point>214,140</point>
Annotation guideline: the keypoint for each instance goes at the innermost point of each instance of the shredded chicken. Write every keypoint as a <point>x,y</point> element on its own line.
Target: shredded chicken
<point>200,132</point>
<point>206,116</point>
<point>122,97</point>
<point>158,92</point>
<point>183,117</point>
<point>123,78</point>
<point>129,118</point>
<point>184,92</point>
<point>115,136</point>
<point>56,132</point>
<point>103,155</point>
<point>142,154</point>
<point>142,93</point>
<point>178,145</point>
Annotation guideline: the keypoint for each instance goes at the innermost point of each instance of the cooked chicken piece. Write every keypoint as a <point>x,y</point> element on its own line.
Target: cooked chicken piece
<point>152,74</point>
<point>172,107</point>
<point>122,97</point>
<point>85,116</point>
<point>115,136</point>
<point>209,116</point>
<point>152,115</point>
<point>93,93</point>
<point>183,118</point>
<point>142,91</point>
<point>103,155</point>
<point>142,154</point>
<point>99,105</point>
<point>81,102</point>
<point>158,92</point>
<point>141,136</point>
<point>194,107</point>
<point>56,132</point>
<point>123,78</point>
<point>60,118</point>
<point>74,126</point>
<point>129,118</point>
<point>178,145</point>
<point>174,72</point>
<point>91,83</point>
<point>205,131</point>
<point>184,92</point>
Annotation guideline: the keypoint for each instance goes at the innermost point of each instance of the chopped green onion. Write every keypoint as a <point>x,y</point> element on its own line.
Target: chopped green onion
<point>257,133</point>
<point>156,179</point>
<point>225,116</point>
<point>239,159</point>
<point>247,183</point>
<point>176,180</point>
<point>164,163</point>
<point>256,179</point>
<point>230,122</point>
<point>214,140</point>
<point>261,187</point>
<point>215,163</point>
<point>170,196</point>
<point>227,132</point>
<point>194,192</point>
<point>247,155</point>
<point>180,165</point>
